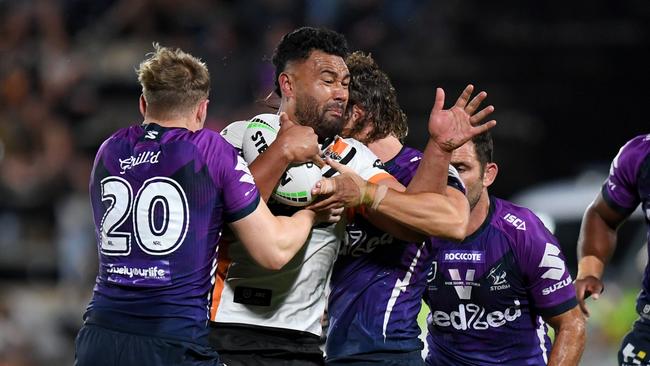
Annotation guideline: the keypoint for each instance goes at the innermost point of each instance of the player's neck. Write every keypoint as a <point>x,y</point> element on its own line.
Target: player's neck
<point>386,148</point>
<point>479,213</point>
<point>177,122</point>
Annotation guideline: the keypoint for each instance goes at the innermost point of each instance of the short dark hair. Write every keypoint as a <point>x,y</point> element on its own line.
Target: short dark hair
<point>299,44</point>
<point>484,147</point>
<point>372,91</point>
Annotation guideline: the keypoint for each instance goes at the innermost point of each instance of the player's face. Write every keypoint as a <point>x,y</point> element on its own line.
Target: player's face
<point>464,159</point>
<point>321,92</point>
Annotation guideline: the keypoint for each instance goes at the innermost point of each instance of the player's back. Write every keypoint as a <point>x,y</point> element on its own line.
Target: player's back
<point>160,197</point>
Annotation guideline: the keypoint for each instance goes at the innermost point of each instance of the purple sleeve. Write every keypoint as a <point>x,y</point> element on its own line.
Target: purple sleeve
<point>230,172</point>
<point>548,281</point>
<point>620,189</point>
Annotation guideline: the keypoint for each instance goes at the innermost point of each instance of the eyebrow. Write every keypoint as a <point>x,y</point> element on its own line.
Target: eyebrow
<point>335,74</point>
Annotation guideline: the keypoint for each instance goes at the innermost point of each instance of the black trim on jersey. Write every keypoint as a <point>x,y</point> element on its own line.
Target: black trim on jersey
<point>346,159</point>
<point>243,212</point>
<point>484,225</point>
<point>558,309</point>
<point>152,131</point>
<point>623,211</point>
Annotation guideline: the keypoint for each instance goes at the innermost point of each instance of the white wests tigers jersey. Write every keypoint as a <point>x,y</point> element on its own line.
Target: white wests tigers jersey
<point>294,297</point>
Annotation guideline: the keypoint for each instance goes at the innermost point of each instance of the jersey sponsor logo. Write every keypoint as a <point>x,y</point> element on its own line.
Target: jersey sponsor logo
<point>378,164</point>
<point>459,256</point>
<point>359,243</point>
<point>553,262</point>
<point>151,135</point>
<point>556,286</point>
<point>142,274</point>
<point>475,317</point>
<point>498,277</point>
<point>630,357</point>
<point>515,221</point>
<point>463,287</point>
<point>142,158</point>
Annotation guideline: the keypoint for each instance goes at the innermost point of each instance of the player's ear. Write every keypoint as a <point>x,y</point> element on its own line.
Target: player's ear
<point>490,174</point>
<point>202,111</point>
<point>357,112</point>
<point>286,84</point>
<point>143,105</point>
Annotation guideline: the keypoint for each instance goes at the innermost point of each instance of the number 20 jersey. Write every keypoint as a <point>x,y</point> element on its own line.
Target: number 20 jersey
<point>160,197</point>
<point>488,293</point>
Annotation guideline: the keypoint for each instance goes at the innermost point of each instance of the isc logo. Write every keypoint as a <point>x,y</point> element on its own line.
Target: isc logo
<point>515,221</point>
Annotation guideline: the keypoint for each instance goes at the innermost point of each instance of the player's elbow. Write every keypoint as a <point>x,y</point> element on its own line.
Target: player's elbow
<point>273,262</point>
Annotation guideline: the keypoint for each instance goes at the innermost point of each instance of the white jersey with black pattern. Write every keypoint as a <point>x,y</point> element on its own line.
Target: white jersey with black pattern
<point>294,297</point>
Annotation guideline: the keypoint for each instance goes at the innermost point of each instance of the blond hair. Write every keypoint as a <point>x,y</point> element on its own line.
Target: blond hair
<point>173,82</point>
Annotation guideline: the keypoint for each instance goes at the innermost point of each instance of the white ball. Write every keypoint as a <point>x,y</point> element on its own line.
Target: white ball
<point>294,188</point>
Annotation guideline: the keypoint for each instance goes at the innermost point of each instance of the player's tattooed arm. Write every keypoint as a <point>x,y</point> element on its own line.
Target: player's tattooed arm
<point>569,337</point>
<point>448,130</point>
<point>596,244</point>
<point>294,144</point>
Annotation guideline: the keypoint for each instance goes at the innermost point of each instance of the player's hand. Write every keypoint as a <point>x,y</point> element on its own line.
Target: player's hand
<point>451,128</point>
<point>299,143</point>
<point>343,190</point>
<point>586,287</point>
<point>330,215</point>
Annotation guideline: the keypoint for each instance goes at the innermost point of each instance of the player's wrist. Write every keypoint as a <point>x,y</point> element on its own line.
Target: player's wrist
<point>590,266</point>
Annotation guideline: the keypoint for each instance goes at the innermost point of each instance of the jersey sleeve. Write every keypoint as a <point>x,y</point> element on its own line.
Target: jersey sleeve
<point>620,189</point>
<point>548,280</point>
<point>230,172</point>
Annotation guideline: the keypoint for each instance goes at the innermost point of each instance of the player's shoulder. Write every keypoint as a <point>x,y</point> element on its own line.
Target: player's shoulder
<point>347,146</point>
<point>518,222</point>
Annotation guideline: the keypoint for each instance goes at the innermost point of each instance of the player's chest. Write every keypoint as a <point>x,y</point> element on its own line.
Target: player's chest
<point>474,274</point>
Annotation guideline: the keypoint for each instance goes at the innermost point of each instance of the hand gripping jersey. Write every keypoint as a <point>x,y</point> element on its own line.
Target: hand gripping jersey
<point>488,294</point>
<point>292,298</point>
<point>378,282</point>
<point>628,185</point>
<point>160,197</point>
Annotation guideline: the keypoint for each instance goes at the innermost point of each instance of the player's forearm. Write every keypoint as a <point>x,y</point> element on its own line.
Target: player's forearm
<point>291,233</point>
<point>596,244</point>
<point>431,175</point>
<point>267,169</point>
<point>569,341</point>
<point>431,214</point>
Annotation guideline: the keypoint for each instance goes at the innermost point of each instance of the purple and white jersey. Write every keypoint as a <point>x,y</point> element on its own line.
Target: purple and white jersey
<point>628,185</point>
<point>378,281</point>
<point>488,293</point>
<point>160,197</point>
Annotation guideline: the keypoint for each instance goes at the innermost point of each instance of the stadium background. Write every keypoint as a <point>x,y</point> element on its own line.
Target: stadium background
<point>569,81</point>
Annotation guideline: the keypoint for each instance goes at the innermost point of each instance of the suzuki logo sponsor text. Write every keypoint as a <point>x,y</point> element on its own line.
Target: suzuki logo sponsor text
<point>556,286</point>
<point>472,316</point>
<point>552,260</point>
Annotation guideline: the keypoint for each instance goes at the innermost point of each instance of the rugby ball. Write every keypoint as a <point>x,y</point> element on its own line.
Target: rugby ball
<point>294,188</point>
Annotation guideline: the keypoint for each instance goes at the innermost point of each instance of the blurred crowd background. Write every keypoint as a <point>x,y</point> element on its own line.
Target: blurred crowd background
<point>569,81</point>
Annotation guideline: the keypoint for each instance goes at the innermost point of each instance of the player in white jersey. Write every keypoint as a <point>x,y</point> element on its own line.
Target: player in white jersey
<point>268,318</point>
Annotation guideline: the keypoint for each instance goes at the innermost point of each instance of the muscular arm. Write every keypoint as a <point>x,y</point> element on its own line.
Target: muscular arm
<point>569,338</point>
<point>596,245</point>
<point>273,240</point>
<point>431,175</point>
<point>411,217</point>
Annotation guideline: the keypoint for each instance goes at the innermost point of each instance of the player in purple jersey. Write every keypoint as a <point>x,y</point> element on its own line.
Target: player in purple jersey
<point>161,192</point>
<point>378,281</point>
<point>628,185</point>
<point>492,294</point>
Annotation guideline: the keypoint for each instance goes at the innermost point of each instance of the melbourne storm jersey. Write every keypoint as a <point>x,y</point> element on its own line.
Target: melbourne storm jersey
<point>292,298</point>
<point>378,281</point>
<point>488,294</point>
<point>160,197</point>
<point>628,185</point>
